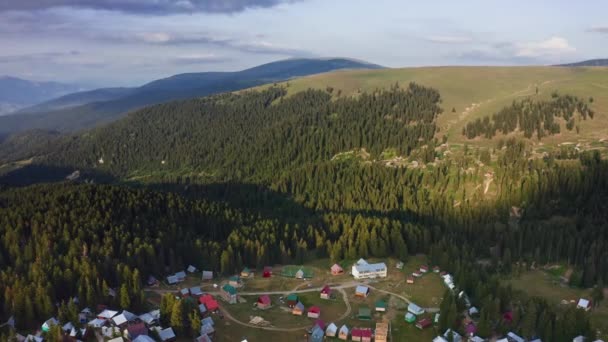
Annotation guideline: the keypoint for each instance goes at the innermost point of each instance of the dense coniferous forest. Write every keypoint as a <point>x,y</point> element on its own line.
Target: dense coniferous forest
<point>251,177</point>
<point>533,118</point>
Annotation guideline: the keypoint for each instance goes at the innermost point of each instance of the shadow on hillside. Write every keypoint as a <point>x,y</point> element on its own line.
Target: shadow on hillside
<point>33,174</point>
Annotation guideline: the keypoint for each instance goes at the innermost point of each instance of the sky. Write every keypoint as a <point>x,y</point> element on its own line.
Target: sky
<point>130,42</point>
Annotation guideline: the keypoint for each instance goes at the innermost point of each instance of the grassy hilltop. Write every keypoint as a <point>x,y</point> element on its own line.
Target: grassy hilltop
<point>479,91</point>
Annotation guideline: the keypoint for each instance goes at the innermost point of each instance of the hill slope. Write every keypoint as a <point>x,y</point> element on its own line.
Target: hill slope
<point>176,87</point>
<point>78,99</point>
<point>17,93</point>
<point>588,63</point>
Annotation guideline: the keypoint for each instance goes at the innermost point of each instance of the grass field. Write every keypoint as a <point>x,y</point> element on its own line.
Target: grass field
<point>489,88</point>
<point>548,286</point>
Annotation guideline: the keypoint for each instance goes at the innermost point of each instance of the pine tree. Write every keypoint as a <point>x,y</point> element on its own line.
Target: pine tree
<point>125,299</point>
<point>177,316</point>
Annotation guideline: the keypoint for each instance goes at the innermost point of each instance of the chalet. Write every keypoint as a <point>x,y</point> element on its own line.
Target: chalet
<point>320,324</point>
<point>210,303</point>
<point>298,309</point>
<point>314,312</point>
<point>107,314</point>
<point>449,281</point>
<point>443,274</point>
<point>455,336</point>
<point>191,269</point>
<point>32,338</point>
<point>416,274</point>
<point>292,300</point>
<point>578,339</point>
<point>410,317</point>
<point>512,337</point>
<point>362,291</point>
<point>196,291</point>
<point>300,274</point>
<point>470,329</point>
<point>381,333</point>
<point>117,339</point>
<point>207,329</point>
<point>436,269</point>
<point>399,265</point>
<point>584,304</point>
<point>208,321</point>
<point>229,294</point>
<point>381,306</point>
<point>337,269</point>
<point>410,280</point>
<point>184,292</point>
<point>150,318</point>
<point>267,272</point>
<point>479,339</point>
<point>415,309</point>
<point>362,334</point>
<point>326,292</point>
<point>317,334</point>
<point>152,281</point>
<point>439,339</point>
<point>365,314</point>
<point>207,275</point>
<point>110,332</point>
<point>424,323</point>
<point>135,330</point>
<point>181,276</point>
<point>46,326</point>
<point>246,272</point>
<point>473,311</point>
<point>172,280</point>
<point>67,327</point>
<point>424,268</point>
<point>363,270</point>
<point>234,281</point>
<point>123,318</point>
<point>264,302</point>
<point>167,335</point>
<point>343,333</point>
<point>331,330</point>
<point>202,309</point>
<point>203,338</point>
<point>143,338</point>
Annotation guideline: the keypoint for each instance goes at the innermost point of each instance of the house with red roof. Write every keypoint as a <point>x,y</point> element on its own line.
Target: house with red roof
<point>210,302</point>
<point>410,280</point>
<point>424,323</point>
<point>326,292</point>
<point>337,269</point>
<point>267,273</point>
<point>314,312</point>
<point>424,268</point>
<point>361,334</point>
<point>264,302</point>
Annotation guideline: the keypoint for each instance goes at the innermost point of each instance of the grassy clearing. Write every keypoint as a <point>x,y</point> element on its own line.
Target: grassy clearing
<point>546,285</point>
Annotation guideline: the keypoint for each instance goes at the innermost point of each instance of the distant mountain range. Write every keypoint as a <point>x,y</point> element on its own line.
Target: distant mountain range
<point>16,93</point>
<point>87,109</point>
<point>591,62</point>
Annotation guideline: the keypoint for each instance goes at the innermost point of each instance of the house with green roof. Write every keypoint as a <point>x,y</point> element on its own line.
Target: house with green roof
<point>365,314</point>
<point>234,281</point>
<point>292,300</point>
<point>229,294</point>
<point>381,306</point>
<point>246,272</point>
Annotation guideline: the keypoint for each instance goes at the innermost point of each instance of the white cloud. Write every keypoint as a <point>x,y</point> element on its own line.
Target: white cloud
<point>450,39</point>
<point>553,46</point>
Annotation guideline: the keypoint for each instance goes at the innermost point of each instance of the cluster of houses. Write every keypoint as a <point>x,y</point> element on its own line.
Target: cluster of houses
<point>422,270</point>
<point>180,276</point>
<point>248,273</point>
<point>319,331</point>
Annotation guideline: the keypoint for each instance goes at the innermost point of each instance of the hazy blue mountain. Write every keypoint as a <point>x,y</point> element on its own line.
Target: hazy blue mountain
<point>590,62</point>
<point>16,93</point>
<point>176,87</point>
<point>78,99</point>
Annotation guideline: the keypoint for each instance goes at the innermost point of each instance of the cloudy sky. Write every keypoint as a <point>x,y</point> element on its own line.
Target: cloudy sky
<point>129,42</point>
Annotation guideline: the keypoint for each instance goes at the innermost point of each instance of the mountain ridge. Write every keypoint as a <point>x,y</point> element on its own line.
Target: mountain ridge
<point>176,87</point>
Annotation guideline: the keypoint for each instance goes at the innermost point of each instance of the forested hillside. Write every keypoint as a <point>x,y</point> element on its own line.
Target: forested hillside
<point>269,177</point>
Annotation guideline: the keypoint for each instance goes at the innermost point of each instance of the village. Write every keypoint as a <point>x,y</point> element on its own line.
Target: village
<point>359,301</point>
